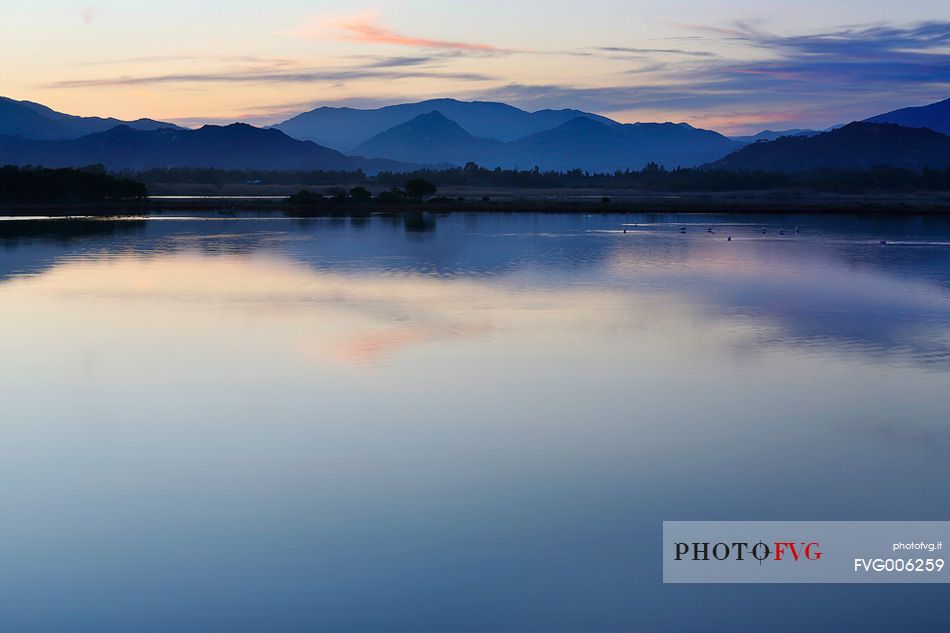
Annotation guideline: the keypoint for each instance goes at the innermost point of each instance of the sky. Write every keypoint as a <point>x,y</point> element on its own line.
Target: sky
<point>736,66</point>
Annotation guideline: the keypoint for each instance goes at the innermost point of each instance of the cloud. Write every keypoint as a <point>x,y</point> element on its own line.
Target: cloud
<point>622,52</point>
<point>273,62</point>
<point>301,75</point>
<point>89,14</point>
<point>816,79</point>
<point>429,58</point>
<point>848,72</point>
<point>251,69</point>
<point>152,59</point>
<point>739,75</point>
<point>851,56</point>
<point>364,28</point>
<point>830,62</point>
<point>400,62</point>
<point>880,41</point>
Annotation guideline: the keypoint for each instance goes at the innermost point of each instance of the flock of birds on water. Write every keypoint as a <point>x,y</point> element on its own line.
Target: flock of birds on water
<point>765,231</point>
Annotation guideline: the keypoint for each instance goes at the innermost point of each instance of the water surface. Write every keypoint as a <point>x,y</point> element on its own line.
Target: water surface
<point>470,422</point>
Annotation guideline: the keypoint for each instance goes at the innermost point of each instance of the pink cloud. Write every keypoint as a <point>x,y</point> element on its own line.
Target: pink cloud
<point>364,28</point>
<point>89,14</point>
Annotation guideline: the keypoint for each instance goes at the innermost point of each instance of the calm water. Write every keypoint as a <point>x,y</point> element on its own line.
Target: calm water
<point>463,423</point>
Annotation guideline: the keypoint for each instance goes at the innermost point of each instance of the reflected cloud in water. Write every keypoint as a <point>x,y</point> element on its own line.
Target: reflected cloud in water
<point>811,301</point>
<point>832,287</point>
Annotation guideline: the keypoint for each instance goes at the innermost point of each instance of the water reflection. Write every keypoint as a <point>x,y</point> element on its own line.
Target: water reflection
<point>831,285</point>
<point>275,424</point>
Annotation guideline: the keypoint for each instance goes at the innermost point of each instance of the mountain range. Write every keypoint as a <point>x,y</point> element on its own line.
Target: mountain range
<point>591,145</point>
<point>771,135</point>
<point>445,132</point>
<point>582,142</point>
<point>235,146</point>
<point>935,116</point>
<point>346,128</point>
<point>36,121</point>
<point>431,138</point>
<point>859,145</point>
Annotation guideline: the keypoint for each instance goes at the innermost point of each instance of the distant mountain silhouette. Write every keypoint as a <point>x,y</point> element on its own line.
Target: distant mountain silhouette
<point>580,143</point>
<point>236,146</point>
<point>345,128</point>
<point>429,138</point>
<point>448,131</point>
<point>935,116</point>
<point>854,146</point>
<point>587,144</point>
<point>36,121</point>
<point>771,135</point>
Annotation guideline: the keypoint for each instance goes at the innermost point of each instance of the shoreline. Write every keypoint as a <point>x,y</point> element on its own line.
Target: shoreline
<point>504,202</point>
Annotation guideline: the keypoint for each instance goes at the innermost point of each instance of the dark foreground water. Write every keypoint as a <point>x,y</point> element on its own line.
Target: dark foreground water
<point>463,423</point>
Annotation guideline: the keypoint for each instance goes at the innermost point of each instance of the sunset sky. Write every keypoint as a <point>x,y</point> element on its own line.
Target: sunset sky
<point>732,65</point>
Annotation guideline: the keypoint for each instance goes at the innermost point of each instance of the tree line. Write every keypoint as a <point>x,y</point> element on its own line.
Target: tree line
<point>220,177</point>
<point>652,177</point>
<point>90,184</point>
<point>413,190</point>
<point>95,184</point>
